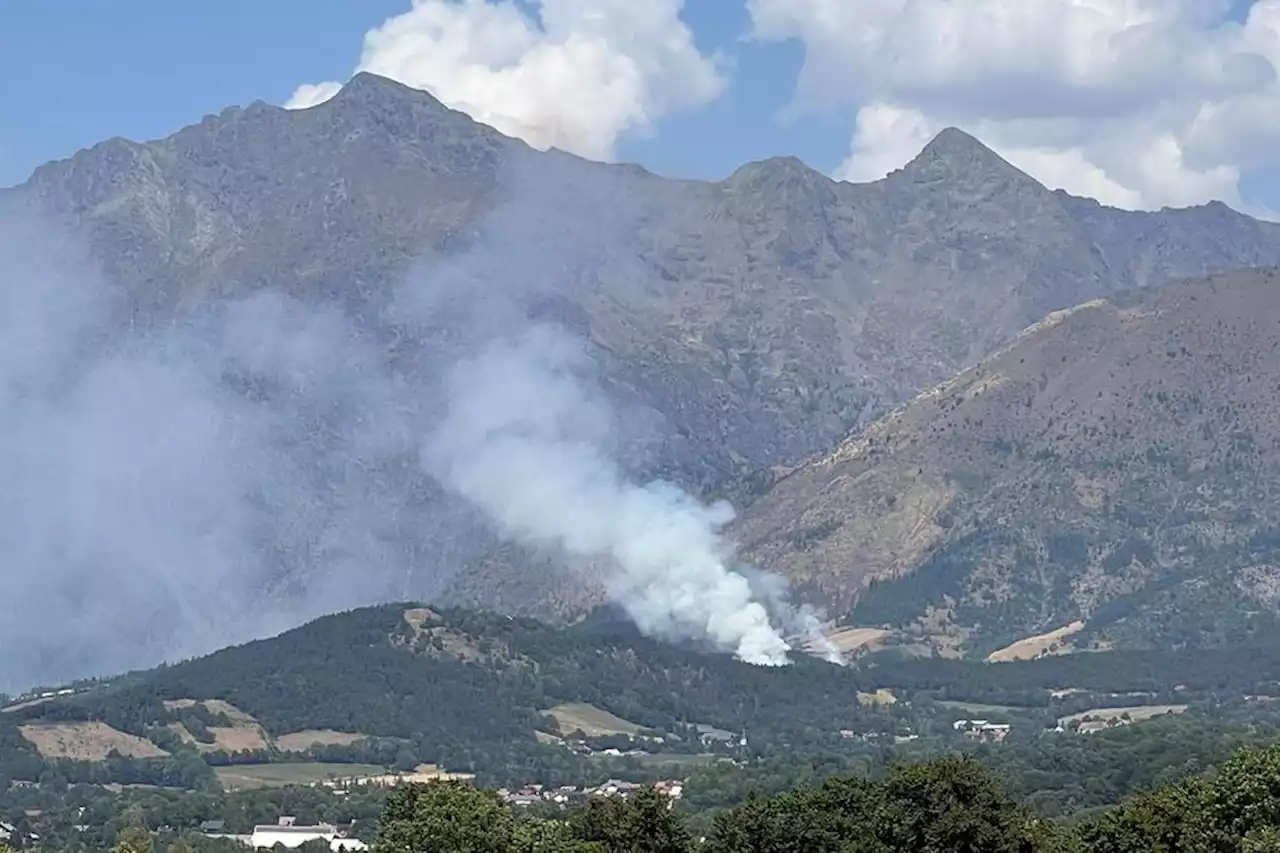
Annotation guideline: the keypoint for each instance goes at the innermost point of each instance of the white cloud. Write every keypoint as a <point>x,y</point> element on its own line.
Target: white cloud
<point>578,76</point>
<point>310,94</point>
<point>1139,103</point>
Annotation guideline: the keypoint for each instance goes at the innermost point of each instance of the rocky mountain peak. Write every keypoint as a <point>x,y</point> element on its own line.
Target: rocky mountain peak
<point>956,157</point>
<point>371,89</point>
<point>786,179</point>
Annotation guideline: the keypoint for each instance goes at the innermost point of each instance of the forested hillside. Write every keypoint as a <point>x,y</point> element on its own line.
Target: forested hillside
<point>402,685</point>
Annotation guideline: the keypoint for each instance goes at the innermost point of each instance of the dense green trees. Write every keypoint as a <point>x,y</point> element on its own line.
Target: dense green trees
<point>449,817</point>
<point>471,695</point>
<point>950,805</point>
<point>1237,809</point>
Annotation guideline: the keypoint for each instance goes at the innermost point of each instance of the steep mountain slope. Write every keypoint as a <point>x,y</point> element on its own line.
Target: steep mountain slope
<point>1116,464</point>
<point>742,324</point>
<point>762,316</point>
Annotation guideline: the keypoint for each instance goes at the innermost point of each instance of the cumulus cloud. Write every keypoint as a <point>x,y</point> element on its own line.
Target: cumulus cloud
<point>576,75</point>
<point>1140,103</point>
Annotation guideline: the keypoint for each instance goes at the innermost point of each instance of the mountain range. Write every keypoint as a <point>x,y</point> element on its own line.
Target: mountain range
<point>1110,465</point>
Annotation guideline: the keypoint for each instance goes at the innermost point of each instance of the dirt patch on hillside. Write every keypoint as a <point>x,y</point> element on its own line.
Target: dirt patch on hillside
<point>301,741</point>
<point>87,741</point>
<point>232,739</point>
<point>180,704</point>
<point>1030,648</point>
<point>854,639</point>
<point>880,697</point>
<point>244,733</point>
<point>419,617</point>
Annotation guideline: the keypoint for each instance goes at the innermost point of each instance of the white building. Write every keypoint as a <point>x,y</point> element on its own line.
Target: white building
<point>290,836</point>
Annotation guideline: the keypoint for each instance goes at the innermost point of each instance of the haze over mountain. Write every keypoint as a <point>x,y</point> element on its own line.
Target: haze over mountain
<point>729,327</point>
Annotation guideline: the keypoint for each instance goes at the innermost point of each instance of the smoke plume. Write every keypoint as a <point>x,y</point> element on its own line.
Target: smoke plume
<point>523,440</point>
<point>171,489</point>
<point>173,485</point>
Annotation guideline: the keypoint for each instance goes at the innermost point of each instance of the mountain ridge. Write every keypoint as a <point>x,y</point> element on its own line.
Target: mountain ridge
<point>743,325</point>
<point>1033,489</point>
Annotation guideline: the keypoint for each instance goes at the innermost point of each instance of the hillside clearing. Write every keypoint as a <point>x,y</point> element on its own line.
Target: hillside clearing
<point>849,640</point>
<point>980,707</point>
<point>248,776</point>
<point>880,697</point>
<point>682,759</point>
<point>591,721</point>
<point>244,733</point>
<point>1030,648</point>
<point>87,741</point>
<point>1136,713</point>
<point>300,741</point>
<point>225,739</point>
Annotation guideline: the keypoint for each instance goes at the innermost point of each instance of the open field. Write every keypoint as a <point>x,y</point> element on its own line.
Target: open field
<point>591,721</point>
<point>299,741</point>
<point>246,776</point>
<point>1030,648</point>
<point>853,639</point>
<point>682,759</point>
<point>880,697</point>
<point>87,741</point>
<point>980,707</point>
<point>1136,713</point>
<point>226,739</point>
<point>244,733</point>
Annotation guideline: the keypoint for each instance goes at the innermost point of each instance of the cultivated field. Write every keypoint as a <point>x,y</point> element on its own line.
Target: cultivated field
<point>1136,713</point>
<point>87,741</point>
<point>659,759</point>
<point>1030,648</point>
<point>300,741</point>
<point>979,707</point>
<point>247,776</point>
<point>590,720</point>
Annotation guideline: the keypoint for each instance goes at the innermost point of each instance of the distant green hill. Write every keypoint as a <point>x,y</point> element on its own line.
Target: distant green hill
<point>402,685</point>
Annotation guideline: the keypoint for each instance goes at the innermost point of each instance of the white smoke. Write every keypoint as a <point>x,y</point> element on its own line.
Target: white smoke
<point>525,440</point>
<point>185,482</point>
<point>802,623</point>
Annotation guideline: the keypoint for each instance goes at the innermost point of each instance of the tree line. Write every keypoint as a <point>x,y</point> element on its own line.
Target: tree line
<point>948,805</point>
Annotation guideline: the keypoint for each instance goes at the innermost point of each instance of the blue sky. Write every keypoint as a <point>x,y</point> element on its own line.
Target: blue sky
<point>79,72</point>
<point>1174,104</point>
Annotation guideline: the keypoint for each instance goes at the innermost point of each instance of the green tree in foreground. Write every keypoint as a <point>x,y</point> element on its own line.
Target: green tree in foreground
<point>445,817</point>
<point>952,805</point>
<point>134,839</point>
<point>642,823</point>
